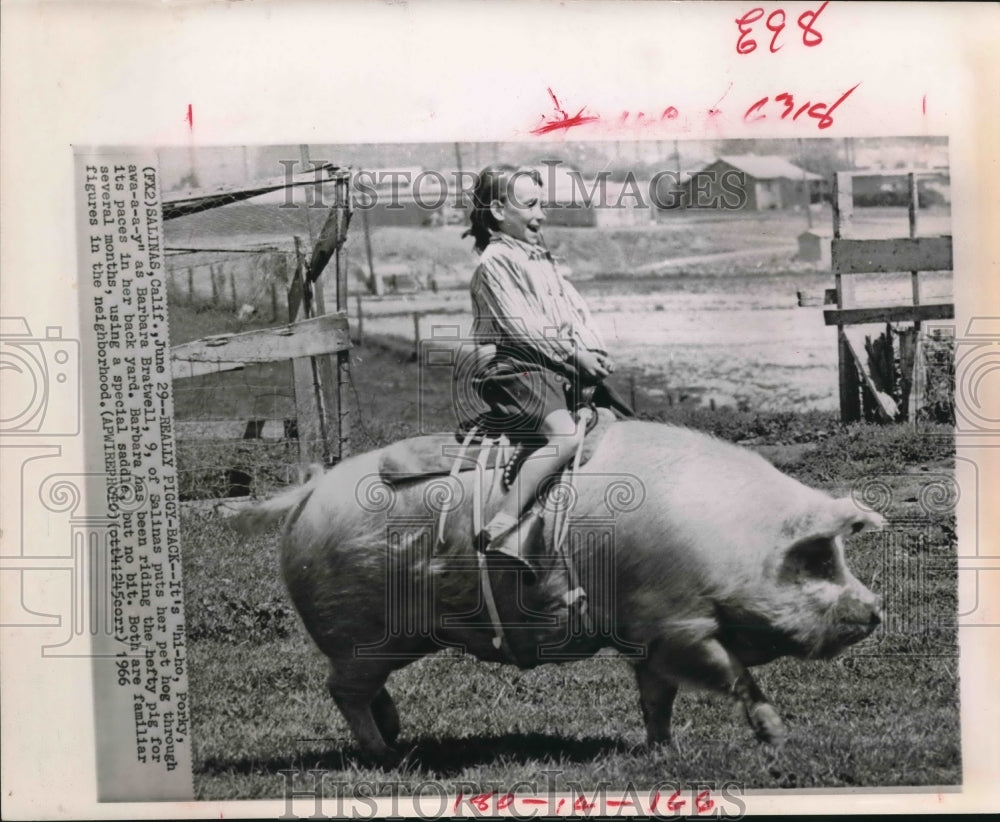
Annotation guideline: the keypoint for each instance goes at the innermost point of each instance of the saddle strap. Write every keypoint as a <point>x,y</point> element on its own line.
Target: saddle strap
<point>576,591</point>
<point>504,451</point>
<point>456,467</point>
<point>499,637</point>
<point>562,531</point>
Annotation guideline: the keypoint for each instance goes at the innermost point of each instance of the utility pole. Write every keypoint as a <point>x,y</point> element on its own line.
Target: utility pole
<point>458,159</point>
<point>805,185</point>
<point>310,199</point>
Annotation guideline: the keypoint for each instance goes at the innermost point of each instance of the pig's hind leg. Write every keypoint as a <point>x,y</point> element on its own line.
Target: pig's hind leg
<point>386,717</point>
<point>361,696</point>
<point>709,665</point>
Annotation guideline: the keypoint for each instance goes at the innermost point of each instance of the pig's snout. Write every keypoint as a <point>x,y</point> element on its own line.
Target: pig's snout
<point>860,613</point>
<point>856,615</point>
<point>875,619</point>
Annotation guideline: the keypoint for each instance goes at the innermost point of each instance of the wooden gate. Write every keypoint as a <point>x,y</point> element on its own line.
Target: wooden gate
<point>852,258</point>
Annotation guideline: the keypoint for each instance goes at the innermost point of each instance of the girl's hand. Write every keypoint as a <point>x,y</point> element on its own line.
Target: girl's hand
<point>606,362</point>
<point>592,366</point>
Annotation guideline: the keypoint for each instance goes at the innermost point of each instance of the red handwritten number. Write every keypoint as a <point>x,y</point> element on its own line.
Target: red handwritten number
<point>505,801</point>
<point>743,45</point>
<point>785,98</point>
<point>704,802</point>
<point>775,27</point>
<point>482,800</point>
<point>775,23</point>
<point>811,37</point>
<point>458,801</point>
<point>825,116</point>
<point>673,804</point>
<point>756,107</point>
<point>820,112</point>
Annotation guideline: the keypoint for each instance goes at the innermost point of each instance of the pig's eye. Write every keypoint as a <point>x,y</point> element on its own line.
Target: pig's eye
<point>811,558</point>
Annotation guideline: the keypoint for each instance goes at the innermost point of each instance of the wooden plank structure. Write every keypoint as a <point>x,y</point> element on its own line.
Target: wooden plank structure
<point>306,338</point>
<point>317,343</point>
<point>853,257</point>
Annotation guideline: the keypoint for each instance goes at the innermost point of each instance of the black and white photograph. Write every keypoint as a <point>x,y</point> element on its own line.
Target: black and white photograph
<point>630,458</point>
<point>723,418</point>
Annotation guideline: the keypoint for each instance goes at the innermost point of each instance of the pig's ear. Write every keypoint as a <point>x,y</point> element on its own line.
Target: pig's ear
<point>835,518</point>
<point>846,518</point>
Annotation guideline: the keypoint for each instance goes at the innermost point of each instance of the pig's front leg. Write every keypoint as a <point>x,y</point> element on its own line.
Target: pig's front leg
<point>760,713</point>
<point>706,664</point>
<point>656,698</point>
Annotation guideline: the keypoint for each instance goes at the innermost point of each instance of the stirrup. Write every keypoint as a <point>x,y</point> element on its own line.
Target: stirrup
<point>484,542</point>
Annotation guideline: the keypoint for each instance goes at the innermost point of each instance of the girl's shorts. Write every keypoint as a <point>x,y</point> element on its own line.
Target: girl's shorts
<point>521,394</point>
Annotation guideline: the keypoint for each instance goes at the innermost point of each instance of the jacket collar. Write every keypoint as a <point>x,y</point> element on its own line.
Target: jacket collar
<point>534,252</point>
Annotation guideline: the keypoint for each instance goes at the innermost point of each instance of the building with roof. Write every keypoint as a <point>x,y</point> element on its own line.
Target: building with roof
<point>595,202</point>
<point>752,182</point>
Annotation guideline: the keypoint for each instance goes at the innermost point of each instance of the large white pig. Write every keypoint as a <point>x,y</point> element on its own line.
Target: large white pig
<point>700,559</point>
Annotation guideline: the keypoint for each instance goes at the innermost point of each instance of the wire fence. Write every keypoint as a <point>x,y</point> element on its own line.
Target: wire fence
<point>245,283</point>
<point>237,425</point>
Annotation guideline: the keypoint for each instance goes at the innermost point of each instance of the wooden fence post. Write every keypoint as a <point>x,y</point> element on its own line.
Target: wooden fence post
<point>915,400</point>
<point>843,212</point>
<point>361,321</point>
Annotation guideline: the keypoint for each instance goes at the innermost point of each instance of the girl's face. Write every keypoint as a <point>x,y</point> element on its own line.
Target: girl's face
<point>520,215</point>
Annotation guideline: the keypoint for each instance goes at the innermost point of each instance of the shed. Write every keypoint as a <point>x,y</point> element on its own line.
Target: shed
<point>752,182</point>
<point>814,246</point>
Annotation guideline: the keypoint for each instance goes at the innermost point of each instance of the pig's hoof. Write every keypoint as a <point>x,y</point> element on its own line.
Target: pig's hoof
<point>767,724</point>
<point>388,758</point>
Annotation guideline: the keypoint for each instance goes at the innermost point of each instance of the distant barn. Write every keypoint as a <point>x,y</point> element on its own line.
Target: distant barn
<point>751,182</point>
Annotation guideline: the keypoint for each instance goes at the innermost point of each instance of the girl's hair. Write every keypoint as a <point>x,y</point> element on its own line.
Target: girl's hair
<point>492,184</point>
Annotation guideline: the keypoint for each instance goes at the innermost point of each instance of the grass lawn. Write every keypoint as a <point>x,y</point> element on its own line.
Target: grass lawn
<point>884,714</point>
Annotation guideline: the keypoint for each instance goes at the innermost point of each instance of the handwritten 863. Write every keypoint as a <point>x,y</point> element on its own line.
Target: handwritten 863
<point>774,23</point>
<point>822,112</point>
